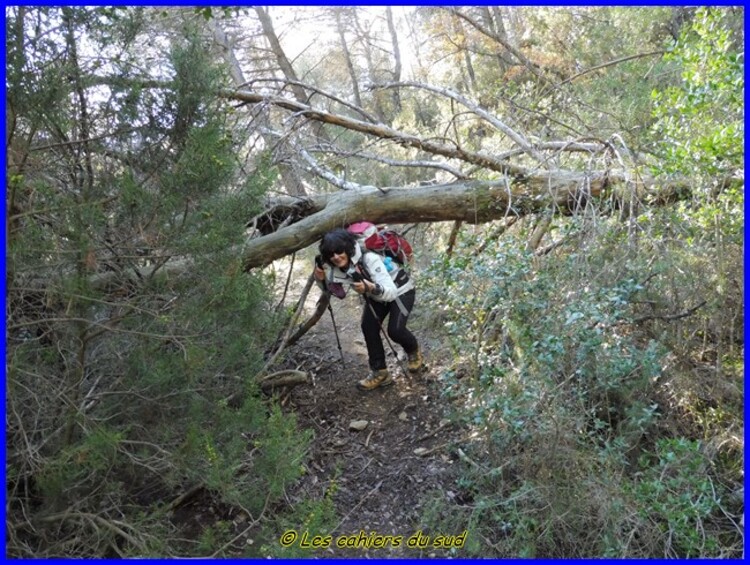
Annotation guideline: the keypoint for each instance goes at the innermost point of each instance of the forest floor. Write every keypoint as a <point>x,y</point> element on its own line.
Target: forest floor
<point>380,476</point>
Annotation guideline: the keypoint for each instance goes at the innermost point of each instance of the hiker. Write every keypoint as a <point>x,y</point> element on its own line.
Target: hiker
<point>386,294</point>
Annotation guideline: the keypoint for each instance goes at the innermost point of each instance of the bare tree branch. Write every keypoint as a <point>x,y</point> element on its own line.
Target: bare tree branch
<point>377,130</point>
<point>608,64</point>
<point>519,139</point>
<point>395,162</point>
<point>365,114</point>
<point>533,67</point>
<point>328,175</point>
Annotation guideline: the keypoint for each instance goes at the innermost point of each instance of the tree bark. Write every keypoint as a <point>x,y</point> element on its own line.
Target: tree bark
<point>396,57</point>
<point>453,237</point>
<point>300,94</point>
<point>284,378</point>
<point>469,78</point>
<point>348,58</point>
<point>289,176</point>
<point>371,69</point>
<point>494,19</point>
<point>279,54</point>
<point>305,220</point>
<point>222,41</point>
<point>512,15</point>
<point>472,202</point>
<point>540,230</point>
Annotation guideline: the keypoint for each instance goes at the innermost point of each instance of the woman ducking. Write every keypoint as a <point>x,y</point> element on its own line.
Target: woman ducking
<point>388,292</point>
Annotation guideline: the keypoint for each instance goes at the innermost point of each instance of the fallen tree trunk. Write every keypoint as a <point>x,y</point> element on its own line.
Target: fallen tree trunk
<point>293,223</point>
<point>561,192</point>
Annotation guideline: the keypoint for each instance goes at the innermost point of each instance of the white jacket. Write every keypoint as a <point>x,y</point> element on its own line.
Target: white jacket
<point>387,289</point>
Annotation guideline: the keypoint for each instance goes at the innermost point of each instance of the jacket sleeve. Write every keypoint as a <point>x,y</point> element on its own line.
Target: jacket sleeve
<point>380,276</point>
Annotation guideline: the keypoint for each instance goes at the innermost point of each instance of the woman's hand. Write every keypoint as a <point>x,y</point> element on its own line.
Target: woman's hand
<point>363,286</point>
<point>319,273</point>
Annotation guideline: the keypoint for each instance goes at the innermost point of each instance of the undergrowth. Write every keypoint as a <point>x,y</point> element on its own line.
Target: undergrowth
<point>597,427</point>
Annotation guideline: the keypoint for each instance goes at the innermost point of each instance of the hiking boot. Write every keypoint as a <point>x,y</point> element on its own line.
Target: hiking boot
<point>375,379</point>
<point>415,362</point>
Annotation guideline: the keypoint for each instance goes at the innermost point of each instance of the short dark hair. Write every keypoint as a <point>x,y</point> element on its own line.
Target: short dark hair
<point>336,241</point>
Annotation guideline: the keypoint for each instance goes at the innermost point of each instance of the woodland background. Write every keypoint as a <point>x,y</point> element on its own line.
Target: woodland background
<point>583,264</point>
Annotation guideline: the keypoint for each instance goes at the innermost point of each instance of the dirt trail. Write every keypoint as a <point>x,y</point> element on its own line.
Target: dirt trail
<point>380,480</point>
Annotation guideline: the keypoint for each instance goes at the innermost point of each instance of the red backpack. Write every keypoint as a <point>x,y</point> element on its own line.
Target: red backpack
<point>382,240</point>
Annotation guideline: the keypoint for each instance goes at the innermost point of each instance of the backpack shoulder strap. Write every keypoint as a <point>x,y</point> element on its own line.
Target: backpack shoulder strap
<point>363,265</point>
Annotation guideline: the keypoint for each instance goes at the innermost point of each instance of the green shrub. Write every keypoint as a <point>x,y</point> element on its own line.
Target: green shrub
<point>675,493</point>
<point>562,388</point>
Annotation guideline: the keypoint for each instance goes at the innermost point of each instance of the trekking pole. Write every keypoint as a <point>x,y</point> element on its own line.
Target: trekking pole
<point>319,264</point>
<point>335,331</point>
<point>357,278</point>
<point>404,367</point>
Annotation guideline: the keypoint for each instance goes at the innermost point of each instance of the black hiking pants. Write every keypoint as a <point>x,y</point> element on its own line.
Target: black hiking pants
<point>374,314</point>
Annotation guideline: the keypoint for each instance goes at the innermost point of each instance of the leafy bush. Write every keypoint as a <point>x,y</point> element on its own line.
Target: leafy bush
<point>700,123</point>
<point>559,373</point>
<point>675,493</point>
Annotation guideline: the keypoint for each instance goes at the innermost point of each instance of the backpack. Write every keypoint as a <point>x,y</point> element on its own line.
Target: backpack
<point>382,240</point>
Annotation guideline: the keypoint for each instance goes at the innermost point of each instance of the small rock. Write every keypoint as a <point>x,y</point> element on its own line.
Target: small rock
<point>444,422</point>
<point>358,425</point>
<point>403,416</point>
<point>420,451</point>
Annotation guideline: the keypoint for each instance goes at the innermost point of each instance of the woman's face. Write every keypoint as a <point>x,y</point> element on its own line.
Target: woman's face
<point>340,259</point>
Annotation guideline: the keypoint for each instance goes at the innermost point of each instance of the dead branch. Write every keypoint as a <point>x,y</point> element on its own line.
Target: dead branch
<point>607,64</point>
<point>395,162</point>
<point>320,308</point>
<point>533,67</point>
<point>376,130</point>
<point>546,250</point>
<point>517,138</point>
<point>539,232</point>
<point>496,233</point>
<point>293,320</point>
<point>283,378</point>
<point>365,114</point>
<point>453,236</point>
<point>668,317</point>
<point>328,175</point>
<point>288,282</point>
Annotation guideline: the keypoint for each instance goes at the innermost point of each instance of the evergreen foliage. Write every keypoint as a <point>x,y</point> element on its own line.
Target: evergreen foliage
<point>118,395</point>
